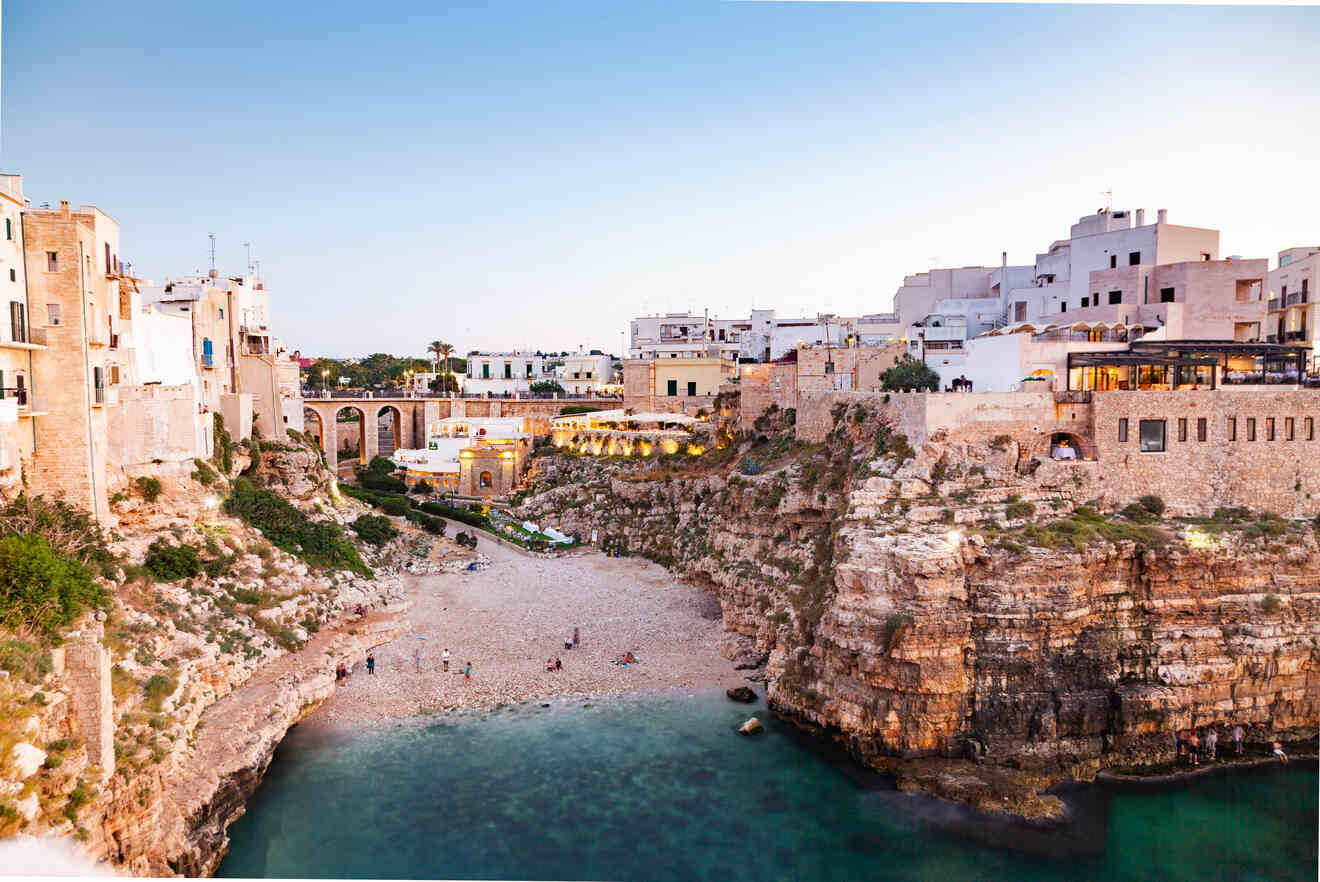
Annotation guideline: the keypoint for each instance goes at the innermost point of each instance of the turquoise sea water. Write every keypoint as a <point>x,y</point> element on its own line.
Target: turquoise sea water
<point>662,788</point>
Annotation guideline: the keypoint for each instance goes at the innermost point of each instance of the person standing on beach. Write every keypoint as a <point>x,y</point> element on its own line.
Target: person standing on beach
<point>445,659</point>
<point>1237,738</point>
<point>371,664</point>
<point>575,638</point>
<point>467,672</point>
<point>1212,741</point>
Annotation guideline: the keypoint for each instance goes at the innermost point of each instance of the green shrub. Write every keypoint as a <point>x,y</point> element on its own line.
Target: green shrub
<point>291,530</point>
<point>25,660</point>
<point>203,474</point>
<point>41,588</point>
<point>245,595</point>
<point>224,445</point>
<point>157,689</point>
<point>394,506</point>
<point>462,515</point>
<point>1152,504</point>
<point>1000,442</point>
<point>383,482</point>
<point>910,374</point>
<point>171,562</point>
<point>570,409</point>
<point>1017,510</point>
<point>150,488</point>
<point>374,529</point>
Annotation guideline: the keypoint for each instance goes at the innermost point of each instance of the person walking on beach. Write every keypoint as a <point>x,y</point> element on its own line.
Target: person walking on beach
<point>1212,742</point>
<point>1237,738</point>
<point>467,672</point>
<point>445,660</point>
<point>1278,751</point>
<point>559,666</point>
<point>371,664</point>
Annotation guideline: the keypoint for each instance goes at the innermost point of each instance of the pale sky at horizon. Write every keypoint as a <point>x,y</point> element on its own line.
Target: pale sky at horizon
<point>517,175</point>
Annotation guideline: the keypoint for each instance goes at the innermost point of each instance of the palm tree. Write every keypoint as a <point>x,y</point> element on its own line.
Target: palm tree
<point>442,350</point>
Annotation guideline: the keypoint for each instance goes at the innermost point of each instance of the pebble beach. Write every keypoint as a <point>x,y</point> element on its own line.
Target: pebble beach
<point>508,618</point>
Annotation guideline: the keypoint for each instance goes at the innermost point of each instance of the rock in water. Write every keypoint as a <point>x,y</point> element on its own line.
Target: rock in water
<point>751,727</point>
<point>741,693</point>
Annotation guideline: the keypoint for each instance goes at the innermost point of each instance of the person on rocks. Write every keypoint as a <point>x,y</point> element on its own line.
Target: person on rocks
<point>1237,738</point>
<point>1180,739</point>
<point>467,672</point>
<point>371,664</point>
<point>1193,748</point>
<point>445,660</point>
<point>1278,751</point>
<point>1212,742</point>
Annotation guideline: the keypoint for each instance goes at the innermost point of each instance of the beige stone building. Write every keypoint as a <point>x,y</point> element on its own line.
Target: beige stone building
<point>814,369</point>
<point>19,340</point>
<point>1291,316</point>
<point>676,385</point>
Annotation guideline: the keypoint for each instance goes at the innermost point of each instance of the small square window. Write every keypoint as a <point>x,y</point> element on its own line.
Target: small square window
<point>1309,424</point>
<point>1182,429</point>
<point>1115,297</point>
<point>1232,428</point>
<point>1085,302</point>
<point>1201,429</point>
<point>1134,258</point>
<point>1122,430</point>
<point>1289,429</point>
<point>13,276</point>
<point>1269,428</point>
<point>1251,428</point>
<point>1166,295</point>
<point>1113,261</point>
<point>52,262</point>
<point>1152,436</point>
<point>52,313</point>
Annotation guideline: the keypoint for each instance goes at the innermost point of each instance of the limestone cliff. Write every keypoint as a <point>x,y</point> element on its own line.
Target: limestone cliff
<point>957,606</point>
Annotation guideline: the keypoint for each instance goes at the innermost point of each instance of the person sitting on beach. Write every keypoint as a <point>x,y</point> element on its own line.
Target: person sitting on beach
<point>568,642</point>
<point>1278,751</point>
<point>550,664</point>
<point>559,666</point>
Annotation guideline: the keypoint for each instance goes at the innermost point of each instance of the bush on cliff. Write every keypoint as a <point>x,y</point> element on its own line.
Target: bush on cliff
<point>41,589</point>
<point>150,488</point>
<point>384,482</point>
<point>374,529</point>
<point>157,689</point>
<point>910,374</point>
<point>291,530</point>
<point>462,515</point>
<point>170,562</point>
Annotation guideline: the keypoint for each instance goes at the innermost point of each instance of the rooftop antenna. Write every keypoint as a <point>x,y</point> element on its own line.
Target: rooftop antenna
<point>212,238</point>
<point>248,246</point>
<point>1109,199</point>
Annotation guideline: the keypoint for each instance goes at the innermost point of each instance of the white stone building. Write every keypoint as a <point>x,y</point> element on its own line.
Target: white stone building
<point>503,373</point>
<point>1291,316</point>
<point>582,374</point>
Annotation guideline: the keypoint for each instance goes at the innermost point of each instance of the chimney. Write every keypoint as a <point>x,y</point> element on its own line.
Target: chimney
<point>1163,216</point>
<point>1141,217</point>
<point>64,207</point>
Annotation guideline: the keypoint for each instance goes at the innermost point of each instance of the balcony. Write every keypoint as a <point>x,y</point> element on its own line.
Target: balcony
<point>26,338</point>
<point>98,338</point>
<point>1299,297</point>
<point>1294,336</point>
<point>1272,304</point>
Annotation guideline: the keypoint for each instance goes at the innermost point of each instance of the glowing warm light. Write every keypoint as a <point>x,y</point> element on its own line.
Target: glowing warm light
<point>1198,538</point>
<point>695,450</point>
<point>508,454</point>
<point>646,448</point>
<point>670,445</point>
<point>954,537</point>
<point>210,502</point>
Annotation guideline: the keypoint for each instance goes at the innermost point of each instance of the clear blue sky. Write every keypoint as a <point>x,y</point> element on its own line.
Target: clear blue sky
<point>535,174</point>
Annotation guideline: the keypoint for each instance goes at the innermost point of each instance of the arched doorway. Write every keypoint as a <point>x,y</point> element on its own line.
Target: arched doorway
<point>312,426</point>
<point>389,430</point>
<point>352,442</point>
<point>1066,446</point>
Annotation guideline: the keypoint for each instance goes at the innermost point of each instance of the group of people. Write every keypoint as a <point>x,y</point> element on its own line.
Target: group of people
<point>1192,743</point>
<point>554,664</point>
<point>961,384</point>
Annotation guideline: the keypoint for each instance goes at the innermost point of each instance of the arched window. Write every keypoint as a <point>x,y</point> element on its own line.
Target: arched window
<point>485,479</point>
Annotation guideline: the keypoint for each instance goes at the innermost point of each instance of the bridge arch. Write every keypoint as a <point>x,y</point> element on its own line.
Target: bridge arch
<point>353,435</point>
<point>314,425</point>
<point>391,429</point>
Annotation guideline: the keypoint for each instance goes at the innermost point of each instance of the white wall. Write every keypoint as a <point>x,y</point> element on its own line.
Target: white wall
<point>164,347</point>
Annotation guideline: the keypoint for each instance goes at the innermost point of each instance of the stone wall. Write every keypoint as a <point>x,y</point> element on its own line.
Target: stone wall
<point>153,426</point>
<point>87,669</point>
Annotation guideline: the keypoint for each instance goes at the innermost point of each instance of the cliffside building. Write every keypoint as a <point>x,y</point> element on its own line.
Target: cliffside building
<point>503,373</point>
<point>1290,301</point>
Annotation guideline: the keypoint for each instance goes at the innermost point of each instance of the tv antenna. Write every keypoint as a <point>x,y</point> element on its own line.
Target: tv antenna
<point>248,246</point>
<point>1109,199</point>
<point>211,236</point>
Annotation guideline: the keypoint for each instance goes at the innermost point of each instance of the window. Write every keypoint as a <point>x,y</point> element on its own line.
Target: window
<point>829,367</point>
<point>98,384</point>
<point>1152,436</point>
<point>485,480</point>
<point>9,229</point>
<point>529,368</point>
<point>1122,430</point>
<point>13,276</point>
<point>1289,429</point>
<point>125,305</point>
<point>1115,297</point>
<point>1309,424</point>
<point>18,322</point>
<point>1232,428</point>
<point>52,262</point>
<point>208,352</point>
<point>1134,258</point>
<point>1166,295</point>
<point>1063,307</point>
<point>52,313</point>
<point>107,258</point>
<point>1201,429</point>
<point>1086,302</point>
<point>114,375</point>
<point>1113,261</point>
<point>485,370</point>
<point>1251,428</point>
<point>1205,255</point>
<point>222,311</point>
<point>692,388</point>
<point>1020,311</point>
<point>1182,429</point>
<point>671,388</point>
<point>508,371</point>
<point>1269,428</point>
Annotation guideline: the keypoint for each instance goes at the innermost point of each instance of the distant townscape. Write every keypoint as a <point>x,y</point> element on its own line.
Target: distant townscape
<point>106,375</point>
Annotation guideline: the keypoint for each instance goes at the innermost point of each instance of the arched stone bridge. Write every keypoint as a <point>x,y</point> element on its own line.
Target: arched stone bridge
<point>411,416</point>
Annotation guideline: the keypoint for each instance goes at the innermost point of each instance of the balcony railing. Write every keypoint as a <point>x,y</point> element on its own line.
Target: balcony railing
<point>208,360</point>
<point>1293,336</point>
<point>21,395</point>
<point>1299,297</point>
<point>1272,304</point>
<point>1073,396</point>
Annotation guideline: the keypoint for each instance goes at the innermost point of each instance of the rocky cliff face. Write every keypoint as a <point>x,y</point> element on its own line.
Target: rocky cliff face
<point>203,675</point>
<point>956,615</point>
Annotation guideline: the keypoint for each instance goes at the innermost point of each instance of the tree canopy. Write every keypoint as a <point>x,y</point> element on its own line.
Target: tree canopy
<point>909,373</point>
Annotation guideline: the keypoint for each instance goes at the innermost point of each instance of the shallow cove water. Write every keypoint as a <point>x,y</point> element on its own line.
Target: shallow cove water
<point>661,788</point>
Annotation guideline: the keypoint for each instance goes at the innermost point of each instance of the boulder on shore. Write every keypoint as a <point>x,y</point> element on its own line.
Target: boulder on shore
<point>751,727</point>
<point>743,694</point>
